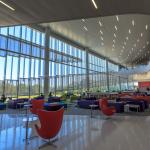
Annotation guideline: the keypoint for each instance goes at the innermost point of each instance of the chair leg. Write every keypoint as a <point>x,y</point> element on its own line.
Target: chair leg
<point>49,143</point>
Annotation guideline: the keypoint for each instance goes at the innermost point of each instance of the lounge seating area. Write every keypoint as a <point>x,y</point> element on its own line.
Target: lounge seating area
<point>74,75</point>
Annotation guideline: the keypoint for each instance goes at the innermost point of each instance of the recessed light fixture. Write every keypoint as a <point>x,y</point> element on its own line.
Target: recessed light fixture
<point>101,32</point>
<point>83,20</point>
<point>117,18</point>
<point>100,24</point>
<point>133,23</point>
<point>94,3</point>
<point>134,45</point>
<point>127,38</point>
<point>8,6</point>
<point>129,31</point>
<point>146,26</point>
<point>116,28</point>
<point>85,28</point>
<point>141,34</point>
<point>115,35</point>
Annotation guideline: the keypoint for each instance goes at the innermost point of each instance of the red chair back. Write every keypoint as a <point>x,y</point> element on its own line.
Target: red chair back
<point>37,105</point>
<point>103,104</point>
<point>51,122</point>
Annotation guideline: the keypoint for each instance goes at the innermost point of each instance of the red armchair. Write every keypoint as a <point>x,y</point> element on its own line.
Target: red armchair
<point>37,105</point>
<point>106,110</point>
<point>51,122</point>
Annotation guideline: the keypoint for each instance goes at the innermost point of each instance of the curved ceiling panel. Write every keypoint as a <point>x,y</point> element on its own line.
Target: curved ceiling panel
<point>39,11</point>
<point>124,39</point>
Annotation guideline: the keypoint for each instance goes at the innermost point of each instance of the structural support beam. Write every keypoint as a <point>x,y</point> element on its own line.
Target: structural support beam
<point>107,74</point>
<point>87,71</point>
<point>46,65</point>
<point>119,83</point>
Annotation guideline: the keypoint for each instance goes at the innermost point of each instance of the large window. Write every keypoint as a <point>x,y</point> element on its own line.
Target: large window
<point>97,73</point>
<point>67,67</point>
<point>21,61</point>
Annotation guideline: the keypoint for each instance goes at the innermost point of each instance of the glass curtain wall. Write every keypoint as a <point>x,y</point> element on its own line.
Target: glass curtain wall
<point>97,74</point>
<point>67,67</point>
<point>21,61</point>
<point>114,83</point>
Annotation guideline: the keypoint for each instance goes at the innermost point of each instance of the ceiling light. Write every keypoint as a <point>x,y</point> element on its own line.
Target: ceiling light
<point>117,18</point>
<point>129,31</point>
<point>146,27</point>
<point>100,24</point>
<point>127,38</point>
<point>133,23</point>
<point>132,49</point>
<point>141,34</point>
<point>138,40</point>
<point>8,6</point>
<point>101,32</point>
<point>83,20</point>
<point>102,38</point>
<point>113,46</point>
<point>114,35</point>
<point>134,45</point>
<point>143,47</point>
<point>116,28</point>
<point>85,28</point>
<point>123,47</point>
<point>94,3</point>
<point>114,41</point>
<point>147,42</point>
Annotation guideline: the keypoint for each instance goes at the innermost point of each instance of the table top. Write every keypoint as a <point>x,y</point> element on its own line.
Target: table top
<point>132,105</point>
<point>27,105</point>
<point>53,104</point>
<point>20,103</point>
<point>93,105</point>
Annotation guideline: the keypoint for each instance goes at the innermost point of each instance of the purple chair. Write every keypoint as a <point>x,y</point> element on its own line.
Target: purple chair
<point>118,105</point>
<point>14,103</point>
<point>86,103</point>
<point>53,99</point>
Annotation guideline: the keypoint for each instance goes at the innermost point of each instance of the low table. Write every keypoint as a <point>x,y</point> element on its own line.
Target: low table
<point>2,106</point>
<point>92,108</point>
<point>128,106</point>
<point>54,106</point>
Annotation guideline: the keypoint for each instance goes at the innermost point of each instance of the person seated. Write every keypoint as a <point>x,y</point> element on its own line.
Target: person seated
<point>3,98</point>
<point>148,92</point>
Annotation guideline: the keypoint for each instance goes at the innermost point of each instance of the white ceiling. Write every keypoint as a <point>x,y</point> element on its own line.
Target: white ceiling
<point>128,47</point>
